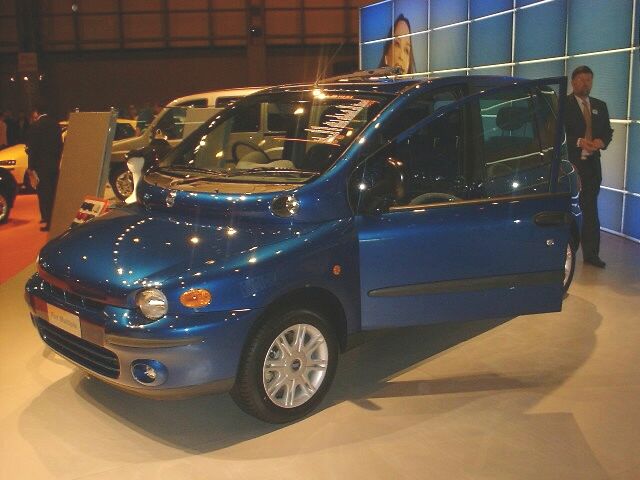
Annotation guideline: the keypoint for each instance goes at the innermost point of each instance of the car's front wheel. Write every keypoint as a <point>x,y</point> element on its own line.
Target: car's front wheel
<point>569,266</point>
<point>121,181</point>
<point>4,209</point>
<point>287,367</point>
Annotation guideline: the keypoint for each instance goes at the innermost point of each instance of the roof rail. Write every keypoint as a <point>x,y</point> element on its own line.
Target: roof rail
<point>362,74</point>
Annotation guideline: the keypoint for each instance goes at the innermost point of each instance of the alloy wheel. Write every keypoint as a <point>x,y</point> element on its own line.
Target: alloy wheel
<point>295,365</point>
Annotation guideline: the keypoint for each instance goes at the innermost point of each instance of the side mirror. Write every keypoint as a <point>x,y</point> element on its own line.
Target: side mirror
<point>159,135</point>
<point>378,185</point>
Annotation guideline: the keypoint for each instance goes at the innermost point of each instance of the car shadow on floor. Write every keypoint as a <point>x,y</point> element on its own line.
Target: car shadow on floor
<point>365,377</point>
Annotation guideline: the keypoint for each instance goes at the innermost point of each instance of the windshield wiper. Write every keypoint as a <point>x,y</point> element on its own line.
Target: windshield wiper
<point>242,172</point>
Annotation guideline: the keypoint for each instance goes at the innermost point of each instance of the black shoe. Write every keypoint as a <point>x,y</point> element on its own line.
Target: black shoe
<point>595,261</point>
<point>45,228</point>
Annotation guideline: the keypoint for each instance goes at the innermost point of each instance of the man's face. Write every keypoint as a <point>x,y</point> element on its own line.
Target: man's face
<point>582,84</point>
<point>401,51</point>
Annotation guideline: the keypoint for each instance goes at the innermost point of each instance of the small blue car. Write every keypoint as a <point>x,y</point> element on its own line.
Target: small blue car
<point>302,215</point>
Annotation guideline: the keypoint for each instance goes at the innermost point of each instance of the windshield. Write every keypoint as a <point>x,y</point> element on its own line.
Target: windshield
<point>276,137</point>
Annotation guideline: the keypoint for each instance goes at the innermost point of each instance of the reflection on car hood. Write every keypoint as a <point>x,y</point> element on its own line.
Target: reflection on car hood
<point>129,248</point>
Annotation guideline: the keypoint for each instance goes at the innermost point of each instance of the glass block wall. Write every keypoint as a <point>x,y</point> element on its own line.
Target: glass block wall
<point>531,39</point>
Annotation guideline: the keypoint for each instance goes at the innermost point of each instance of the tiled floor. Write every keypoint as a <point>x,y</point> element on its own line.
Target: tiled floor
<point>552,396</point>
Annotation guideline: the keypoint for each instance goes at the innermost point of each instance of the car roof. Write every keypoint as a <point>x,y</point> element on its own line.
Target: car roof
<point>397,85</point>
<point>212,95</point>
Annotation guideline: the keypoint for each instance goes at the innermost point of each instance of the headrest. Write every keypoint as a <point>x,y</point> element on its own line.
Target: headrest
<point>512,118</point>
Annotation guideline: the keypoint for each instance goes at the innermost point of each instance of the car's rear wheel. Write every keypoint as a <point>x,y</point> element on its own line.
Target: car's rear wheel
<point>569,266</point>
<point>288,366</point>
<point>121,181</point>
<point>4,209</point>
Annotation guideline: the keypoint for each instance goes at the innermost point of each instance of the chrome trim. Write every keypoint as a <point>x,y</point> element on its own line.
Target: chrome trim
<point>480,201</point>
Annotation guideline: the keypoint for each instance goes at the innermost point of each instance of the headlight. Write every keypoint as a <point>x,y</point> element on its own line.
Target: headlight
<point>7,163</point>
<point>152,303</point>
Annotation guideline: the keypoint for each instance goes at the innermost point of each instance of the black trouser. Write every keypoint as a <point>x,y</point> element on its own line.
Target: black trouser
<point>590,177</point>
<point>46,191</point>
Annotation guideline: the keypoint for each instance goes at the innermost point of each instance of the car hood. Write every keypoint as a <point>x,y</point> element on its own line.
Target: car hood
<point>130,248</point>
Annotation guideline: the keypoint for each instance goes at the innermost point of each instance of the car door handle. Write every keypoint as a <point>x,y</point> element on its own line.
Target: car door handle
<point>551,219</point>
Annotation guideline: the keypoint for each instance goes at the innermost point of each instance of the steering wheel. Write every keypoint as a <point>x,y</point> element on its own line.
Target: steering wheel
<point>427,198</point>
<point>252,146</point>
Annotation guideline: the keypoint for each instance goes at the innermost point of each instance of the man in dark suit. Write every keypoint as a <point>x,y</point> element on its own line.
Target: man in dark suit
<point>588,131</point>
<point>44,147</point>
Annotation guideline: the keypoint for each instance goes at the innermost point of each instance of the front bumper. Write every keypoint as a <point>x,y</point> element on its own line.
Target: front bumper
<point>200,353</point>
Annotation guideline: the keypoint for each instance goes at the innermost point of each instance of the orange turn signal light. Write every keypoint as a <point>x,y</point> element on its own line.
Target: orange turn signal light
<point>198,297</point>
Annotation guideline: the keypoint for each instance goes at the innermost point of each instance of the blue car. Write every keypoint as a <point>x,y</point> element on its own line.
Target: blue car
<point>302,215</point>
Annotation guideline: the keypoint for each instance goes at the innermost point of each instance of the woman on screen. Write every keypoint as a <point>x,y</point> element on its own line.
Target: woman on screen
<point>398,52</point>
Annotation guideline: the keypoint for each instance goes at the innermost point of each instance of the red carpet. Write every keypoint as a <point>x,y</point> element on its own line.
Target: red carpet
<point>20,238</point>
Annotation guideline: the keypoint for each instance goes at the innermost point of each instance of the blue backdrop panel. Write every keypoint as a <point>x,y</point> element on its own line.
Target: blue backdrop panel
<point>416,11</point>
<point>480,8</point>
<point>633,159</point>
<point>420,47</point>
<point>540,31</point>
<point>596,25</point>
<point>632,216</point>
<point>635,93</point>
<point>446,12</point>
<point>490,41</point>
<point>613,158</point>
<point>540,70</point>
<point>501,71</point>
<point>371,54</point>
<point>610,209</point>
<point>376,21</point>
<point>449,48</point>
<point>522,3</point>
<point>611,79</point>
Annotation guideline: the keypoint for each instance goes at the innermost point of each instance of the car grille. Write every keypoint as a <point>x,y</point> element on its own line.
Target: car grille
<point>89,355</point>
<point>71,299</point>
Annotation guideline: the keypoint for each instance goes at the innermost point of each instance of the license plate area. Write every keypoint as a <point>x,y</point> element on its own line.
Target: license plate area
<point>67,321</point>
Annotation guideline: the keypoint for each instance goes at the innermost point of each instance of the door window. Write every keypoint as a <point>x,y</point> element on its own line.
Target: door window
<point>516,137</point>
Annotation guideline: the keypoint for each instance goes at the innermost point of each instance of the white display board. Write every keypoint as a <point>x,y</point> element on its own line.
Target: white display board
<point>84,168</point>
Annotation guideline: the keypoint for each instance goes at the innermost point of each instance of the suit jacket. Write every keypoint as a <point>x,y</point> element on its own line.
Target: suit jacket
<point>44,145</point>
<point>575,128</point>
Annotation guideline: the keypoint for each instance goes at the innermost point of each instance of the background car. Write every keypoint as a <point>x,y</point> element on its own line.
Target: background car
<point>15,159</point>
<point>8,189</point>
<point>168,125</point>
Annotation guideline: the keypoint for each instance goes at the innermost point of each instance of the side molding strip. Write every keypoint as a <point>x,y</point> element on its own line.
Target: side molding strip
<point>472,284</point>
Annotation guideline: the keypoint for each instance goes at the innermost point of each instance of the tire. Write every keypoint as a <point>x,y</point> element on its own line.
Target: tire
<point>274,361</point>
<point>5,209</point>
<point>121,180</point>
<point>569,266</point>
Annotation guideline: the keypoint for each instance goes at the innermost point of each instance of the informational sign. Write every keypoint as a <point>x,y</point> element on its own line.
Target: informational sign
<point>91,208</point>
<point>85,165</point>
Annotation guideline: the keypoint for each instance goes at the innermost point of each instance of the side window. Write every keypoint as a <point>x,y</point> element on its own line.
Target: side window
<point>421,107</point>
<point>172,123</point>
<point>222,102</point>
<point>124,130</point>
<point>512,125</point>
<point>249,120</point>
<point>428,166</point>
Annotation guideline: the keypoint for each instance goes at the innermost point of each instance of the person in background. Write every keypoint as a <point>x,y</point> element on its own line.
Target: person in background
<point>22,127</point>
<point>44,147</point>
<point>12,127</point>
<point>588,131</point>
<point>4,142</point>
